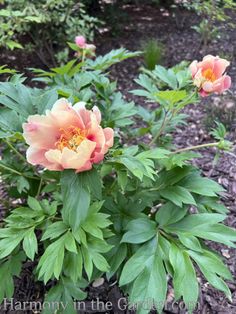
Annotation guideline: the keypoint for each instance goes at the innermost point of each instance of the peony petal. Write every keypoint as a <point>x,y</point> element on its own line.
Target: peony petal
<point>218,85</point>
<point>208,62</point>
<point>60,104</point>
<point>109,136</point>
<point>220,67</point>
<point>203,93</point>
<point>64,115</point>
<point>97,157</point>
<point>227,82</point>
<point>97,113</point>
<point>37,157</point>
<point>208,87</point>
<point>40,131</point>
<point>76,160</point>
<point>87,166</point>
<point>54,157</point>
<point>80,41</point>
<point>85,116</point>
<point>193,68</point>
<point>79,105</point>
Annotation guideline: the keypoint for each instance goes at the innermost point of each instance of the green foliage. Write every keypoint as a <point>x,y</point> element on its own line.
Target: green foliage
<point>8,269</point>
<point>153,53</point>
<point>214,16</point>
<point>221,110</point>
<point>144,214</point>
<point>47,23</point>
<point>204,30</point>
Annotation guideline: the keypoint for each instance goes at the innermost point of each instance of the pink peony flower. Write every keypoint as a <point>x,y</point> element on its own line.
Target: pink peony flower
<point>209,75</point>
<point>80,41</point>
<point>67,137</point>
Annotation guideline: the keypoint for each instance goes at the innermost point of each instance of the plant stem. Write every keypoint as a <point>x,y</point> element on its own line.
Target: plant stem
<point>15,150</point>
<point>17,172</point>
<point>215,144</point>
<point>83,60</point>
<point>164,121</point>
<point>39,188</point>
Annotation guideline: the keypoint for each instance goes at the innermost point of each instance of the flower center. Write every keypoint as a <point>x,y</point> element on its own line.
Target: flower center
<point>209,75</point>
<point>71,138</point>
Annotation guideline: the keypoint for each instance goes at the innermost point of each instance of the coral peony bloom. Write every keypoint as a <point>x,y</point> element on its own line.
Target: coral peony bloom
<point>80,41</point>
<point>209,75</point>
<point>67,137</point>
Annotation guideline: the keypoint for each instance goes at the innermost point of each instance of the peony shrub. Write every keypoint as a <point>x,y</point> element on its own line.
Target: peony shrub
<point>101,188</point>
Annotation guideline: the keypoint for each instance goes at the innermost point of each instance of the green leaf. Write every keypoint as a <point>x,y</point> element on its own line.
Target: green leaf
<point>218,233</point>
<point>63,295</point>
<point>91,179</point>
<point>217,282</point>
<point>100,262</point>
<point>136,263</point>
<point>185,280</point>
<point>203,186</point>
<point>4,70</point>
<point>76,198</point>
<point>170,97</point>
<point>190,241</point>
<point>196,221</point>
<point>211,266</point>
<point>45,101</point>
<point>139,231</point>
<point>113,57</point>
<point>10,242</point>
<point>212,262</point>
<point>178,195</point>
<point>51,261</point>
<point>70,244</point>
<point>22,184</point>
<point>30,244</point>
<point>116,257</point>
<point>122,179</point>
<point>73,265</point>
<point>167,76</point>
<point>169,214</point>
<point>8,269</point>
<point>13,44</point>
<point>54,230</point>
<point>141,164</point>
<point>156,154</point>
<point>95,221</point>
<point>88,263</point>
<point>212,204</point>
<point>180,159</point>
<point>34,204</point>
<point>147,271</point>
<point>151,284</point>
<point>205,226</point>
<point>10,121</point>
<point>17,97</point>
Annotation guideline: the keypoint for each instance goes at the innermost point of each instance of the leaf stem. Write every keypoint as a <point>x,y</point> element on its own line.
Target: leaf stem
<point>164,121</point>
<point>215,144</point>
<point>39,188</point>
<point>17,172</point>
<point>14,150</point>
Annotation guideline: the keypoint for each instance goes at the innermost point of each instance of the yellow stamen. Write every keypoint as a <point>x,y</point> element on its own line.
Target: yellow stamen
<point>71,138</point>
<point>209,75</point>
